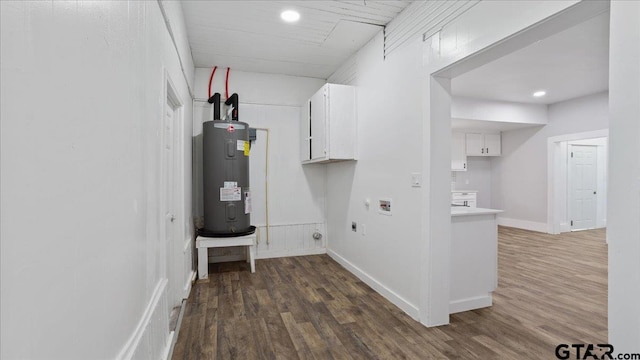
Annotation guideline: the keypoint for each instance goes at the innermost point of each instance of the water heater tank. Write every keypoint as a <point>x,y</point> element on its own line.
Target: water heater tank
<point>227,197</point>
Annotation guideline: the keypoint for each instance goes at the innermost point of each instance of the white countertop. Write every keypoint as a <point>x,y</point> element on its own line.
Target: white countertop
<point>467,211</point>
<point>464,191</point>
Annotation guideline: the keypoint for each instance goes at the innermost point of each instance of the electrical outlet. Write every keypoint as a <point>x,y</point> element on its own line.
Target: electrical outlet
<point>354,226</point>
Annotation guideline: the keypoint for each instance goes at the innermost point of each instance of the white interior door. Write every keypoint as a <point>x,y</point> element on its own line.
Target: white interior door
<point>174,216</point>
<point>583,186</point>
<point>169,195</point>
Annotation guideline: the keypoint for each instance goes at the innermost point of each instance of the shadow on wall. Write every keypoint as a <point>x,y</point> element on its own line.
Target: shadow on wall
<point>316,184</point>
<point>196,182</point>
<point>513,140</point>
<point>340,196</point>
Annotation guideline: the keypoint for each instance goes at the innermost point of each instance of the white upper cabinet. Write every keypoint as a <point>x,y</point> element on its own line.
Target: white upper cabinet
<point>328,129</point>
<point>458,154</point>
<point>483,144</point>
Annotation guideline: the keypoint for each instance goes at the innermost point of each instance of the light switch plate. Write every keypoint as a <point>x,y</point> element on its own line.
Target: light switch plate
<point>416,179</point>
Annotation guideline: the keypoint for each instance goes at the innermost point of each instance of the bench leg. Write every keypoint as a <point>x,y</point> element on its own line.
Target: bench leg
<point>203,263</point>
<point>252,257</point>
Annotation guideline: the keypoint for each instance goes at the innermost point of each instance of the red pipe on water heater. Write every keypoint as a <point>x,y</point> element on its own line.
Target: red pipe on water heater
<point>213,72</point>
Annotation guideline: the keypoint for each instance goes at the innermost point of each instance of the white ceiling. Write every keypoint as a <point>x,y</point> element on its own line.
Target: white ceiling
<point>570,64</point>
<point>250,36</point>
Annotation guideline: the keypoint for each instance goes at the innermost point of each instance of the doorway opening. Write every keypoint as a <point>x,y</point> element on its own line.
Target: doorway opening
<point>559,198</point>
<point>434,297</point>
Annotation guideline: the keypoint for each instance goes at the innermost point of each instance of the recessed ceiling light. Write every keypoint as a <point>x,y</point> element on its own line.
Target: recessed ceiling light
<point>539,93</point>
<point>290,15</point>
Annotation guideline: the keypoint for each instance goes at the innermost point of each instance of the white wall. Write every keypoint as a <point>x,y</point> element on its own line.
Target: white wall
<point>523,197</point>
<point>386,257</point>
<point>389,150</point>
<point>500,111</point>
<point>623,228</point>
<point>82,96</point>
<point>395,141</point>
<point>296,192</point>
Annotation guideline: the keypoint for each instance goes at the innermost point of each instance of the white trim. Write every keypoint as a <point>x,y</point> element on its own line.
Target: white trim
<point>170,342</point>
<point>175,46</point>
<point>187,242</point>
<point>286,253</point>
<point>387,293</point>
<point>175,333</point>
<point>131,345</point>
<point>475,302</point>
<point>187,287</point>
<point>522,224</point>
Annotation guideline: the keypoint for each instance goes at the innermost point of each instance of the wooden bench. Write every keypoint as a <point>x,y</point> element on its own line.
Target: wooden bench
<point>205,243</point>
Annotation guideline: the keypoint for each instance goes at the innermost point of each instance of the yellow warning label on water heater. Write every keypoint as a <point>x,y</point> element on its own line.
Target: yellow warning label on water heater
<point>246,148</point>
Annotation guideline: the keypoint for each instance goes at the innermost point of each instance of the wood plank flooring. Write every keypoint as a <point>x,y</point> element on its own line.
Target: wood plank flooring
<point>552,289</point>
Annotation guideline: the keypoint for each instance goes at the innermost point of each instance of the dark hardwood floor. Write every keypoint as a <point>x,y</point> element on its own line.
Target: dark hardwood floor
<point>552,289</point>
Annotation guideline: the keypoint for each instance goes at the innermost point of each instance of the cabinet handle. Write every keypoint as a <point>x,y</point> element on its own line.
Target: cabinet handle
<point>464,165</point>
<point>483,150</point>
<point>487,150</point>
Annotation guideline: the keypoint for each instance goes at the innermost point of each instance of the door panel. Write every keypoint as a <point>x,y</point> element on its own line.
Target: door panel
<point>458,157</point>
<point>475,144</point>
<point>582,186</point>
<point>318,124</point>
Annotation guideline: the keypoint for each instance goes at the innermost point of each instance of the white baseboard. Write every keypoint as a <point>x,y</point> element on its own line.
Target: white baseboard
<point>187,287</point>
<point>173,336</point>
<point>565,227</point>
<point>297,252</point>
<point>522,224</point>
<point>154,314</point>
<point>476,302</point>
<point>170,344</point>
<point>387,293</point>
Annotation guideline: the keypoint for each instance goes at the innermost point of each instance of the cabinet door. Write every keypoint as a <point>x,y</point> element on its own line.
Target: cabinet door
<point>318,123</point>
<point>458,156</point>
<point>475,144</point>
<point>492,144</point>
<point>305,127</point>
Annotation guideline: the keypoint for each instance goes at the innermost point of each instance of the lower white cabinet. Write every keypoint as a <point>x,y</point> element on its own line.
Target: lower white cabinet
<point>474,261</point>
